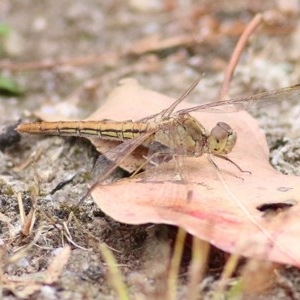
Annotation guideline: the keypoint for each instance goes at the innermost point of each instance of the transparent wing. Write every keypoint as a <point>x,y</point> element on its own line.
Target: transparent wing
<point>166,162</point>
<point>166,113</point>
<point>247,103</point>
<point>159,154</point>
<point>110,160</point>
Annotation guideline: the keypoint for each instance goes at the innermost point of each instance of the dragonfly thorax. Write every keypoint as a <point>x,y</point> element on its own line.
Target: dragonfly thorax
<point>221,139</point>
<point>184,135</point>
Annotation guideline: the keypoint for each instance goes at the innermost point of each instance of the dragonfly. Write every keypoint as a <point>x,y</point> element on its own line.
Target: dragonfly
<point>177,132</point>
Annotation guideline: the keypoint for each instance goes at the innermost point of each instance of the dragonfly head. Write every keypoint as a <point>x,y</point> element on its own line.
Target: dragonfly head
<point>221,139</point>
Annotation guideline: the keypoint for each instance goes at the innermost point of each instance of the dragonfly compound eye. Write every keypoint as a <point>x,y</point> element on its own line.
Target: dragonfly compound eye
<point>221,139</point>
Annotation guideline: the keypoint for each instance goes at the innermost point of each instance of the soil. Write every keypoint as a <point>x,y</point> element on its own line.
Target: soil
<point>55,171</point>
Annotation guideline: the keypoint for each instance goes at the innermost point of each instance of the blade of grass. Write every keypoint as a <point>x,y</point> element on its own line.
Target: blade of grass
<point>175,263</point>
<point>228,270</point>
<point>198,264</point>
<point>115,274</point>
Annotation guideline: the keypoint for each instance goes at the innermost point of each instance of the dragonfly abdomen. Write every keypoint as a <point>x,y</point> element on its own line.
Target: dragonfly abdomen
<point>106,129</point>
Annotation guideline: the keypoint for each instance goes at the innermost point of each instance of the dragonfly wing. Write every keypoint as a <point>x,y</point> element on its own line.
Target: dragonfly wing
<point>110,160</point>
<point>172,107</point>
<point>166,156</point>
<point>167,163</point>
<point>168,111</point>
<point>247,103</point>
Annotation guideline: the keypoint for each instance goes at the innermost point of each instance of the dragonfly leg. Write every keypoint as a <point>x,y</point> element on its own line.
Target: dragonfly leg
<point>235,164</point>
<point>167,157</point>
<point>222,170</point>
<point>179,168</point>
<point>151,160</point>
<point>183,176</point>
<point>140,168</point>
<point>155,161</point>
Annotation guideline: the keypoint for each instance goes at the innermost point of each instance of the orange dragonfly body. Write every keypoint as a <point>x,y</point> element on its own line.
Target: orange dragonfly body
<point>177,130</point>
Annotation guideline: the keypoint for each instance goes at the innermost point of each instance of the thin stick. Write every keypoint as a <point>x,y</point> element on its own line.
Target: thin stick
<point>51,63</point>
<point>256,21</point>
<point>134,49</point>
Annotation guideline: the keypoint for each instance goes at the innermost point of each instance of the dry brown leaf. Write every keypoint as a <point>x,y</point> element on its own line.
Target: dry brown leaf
<point>26,285</point>
<point>224,213</point>
<point>57,265</point>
